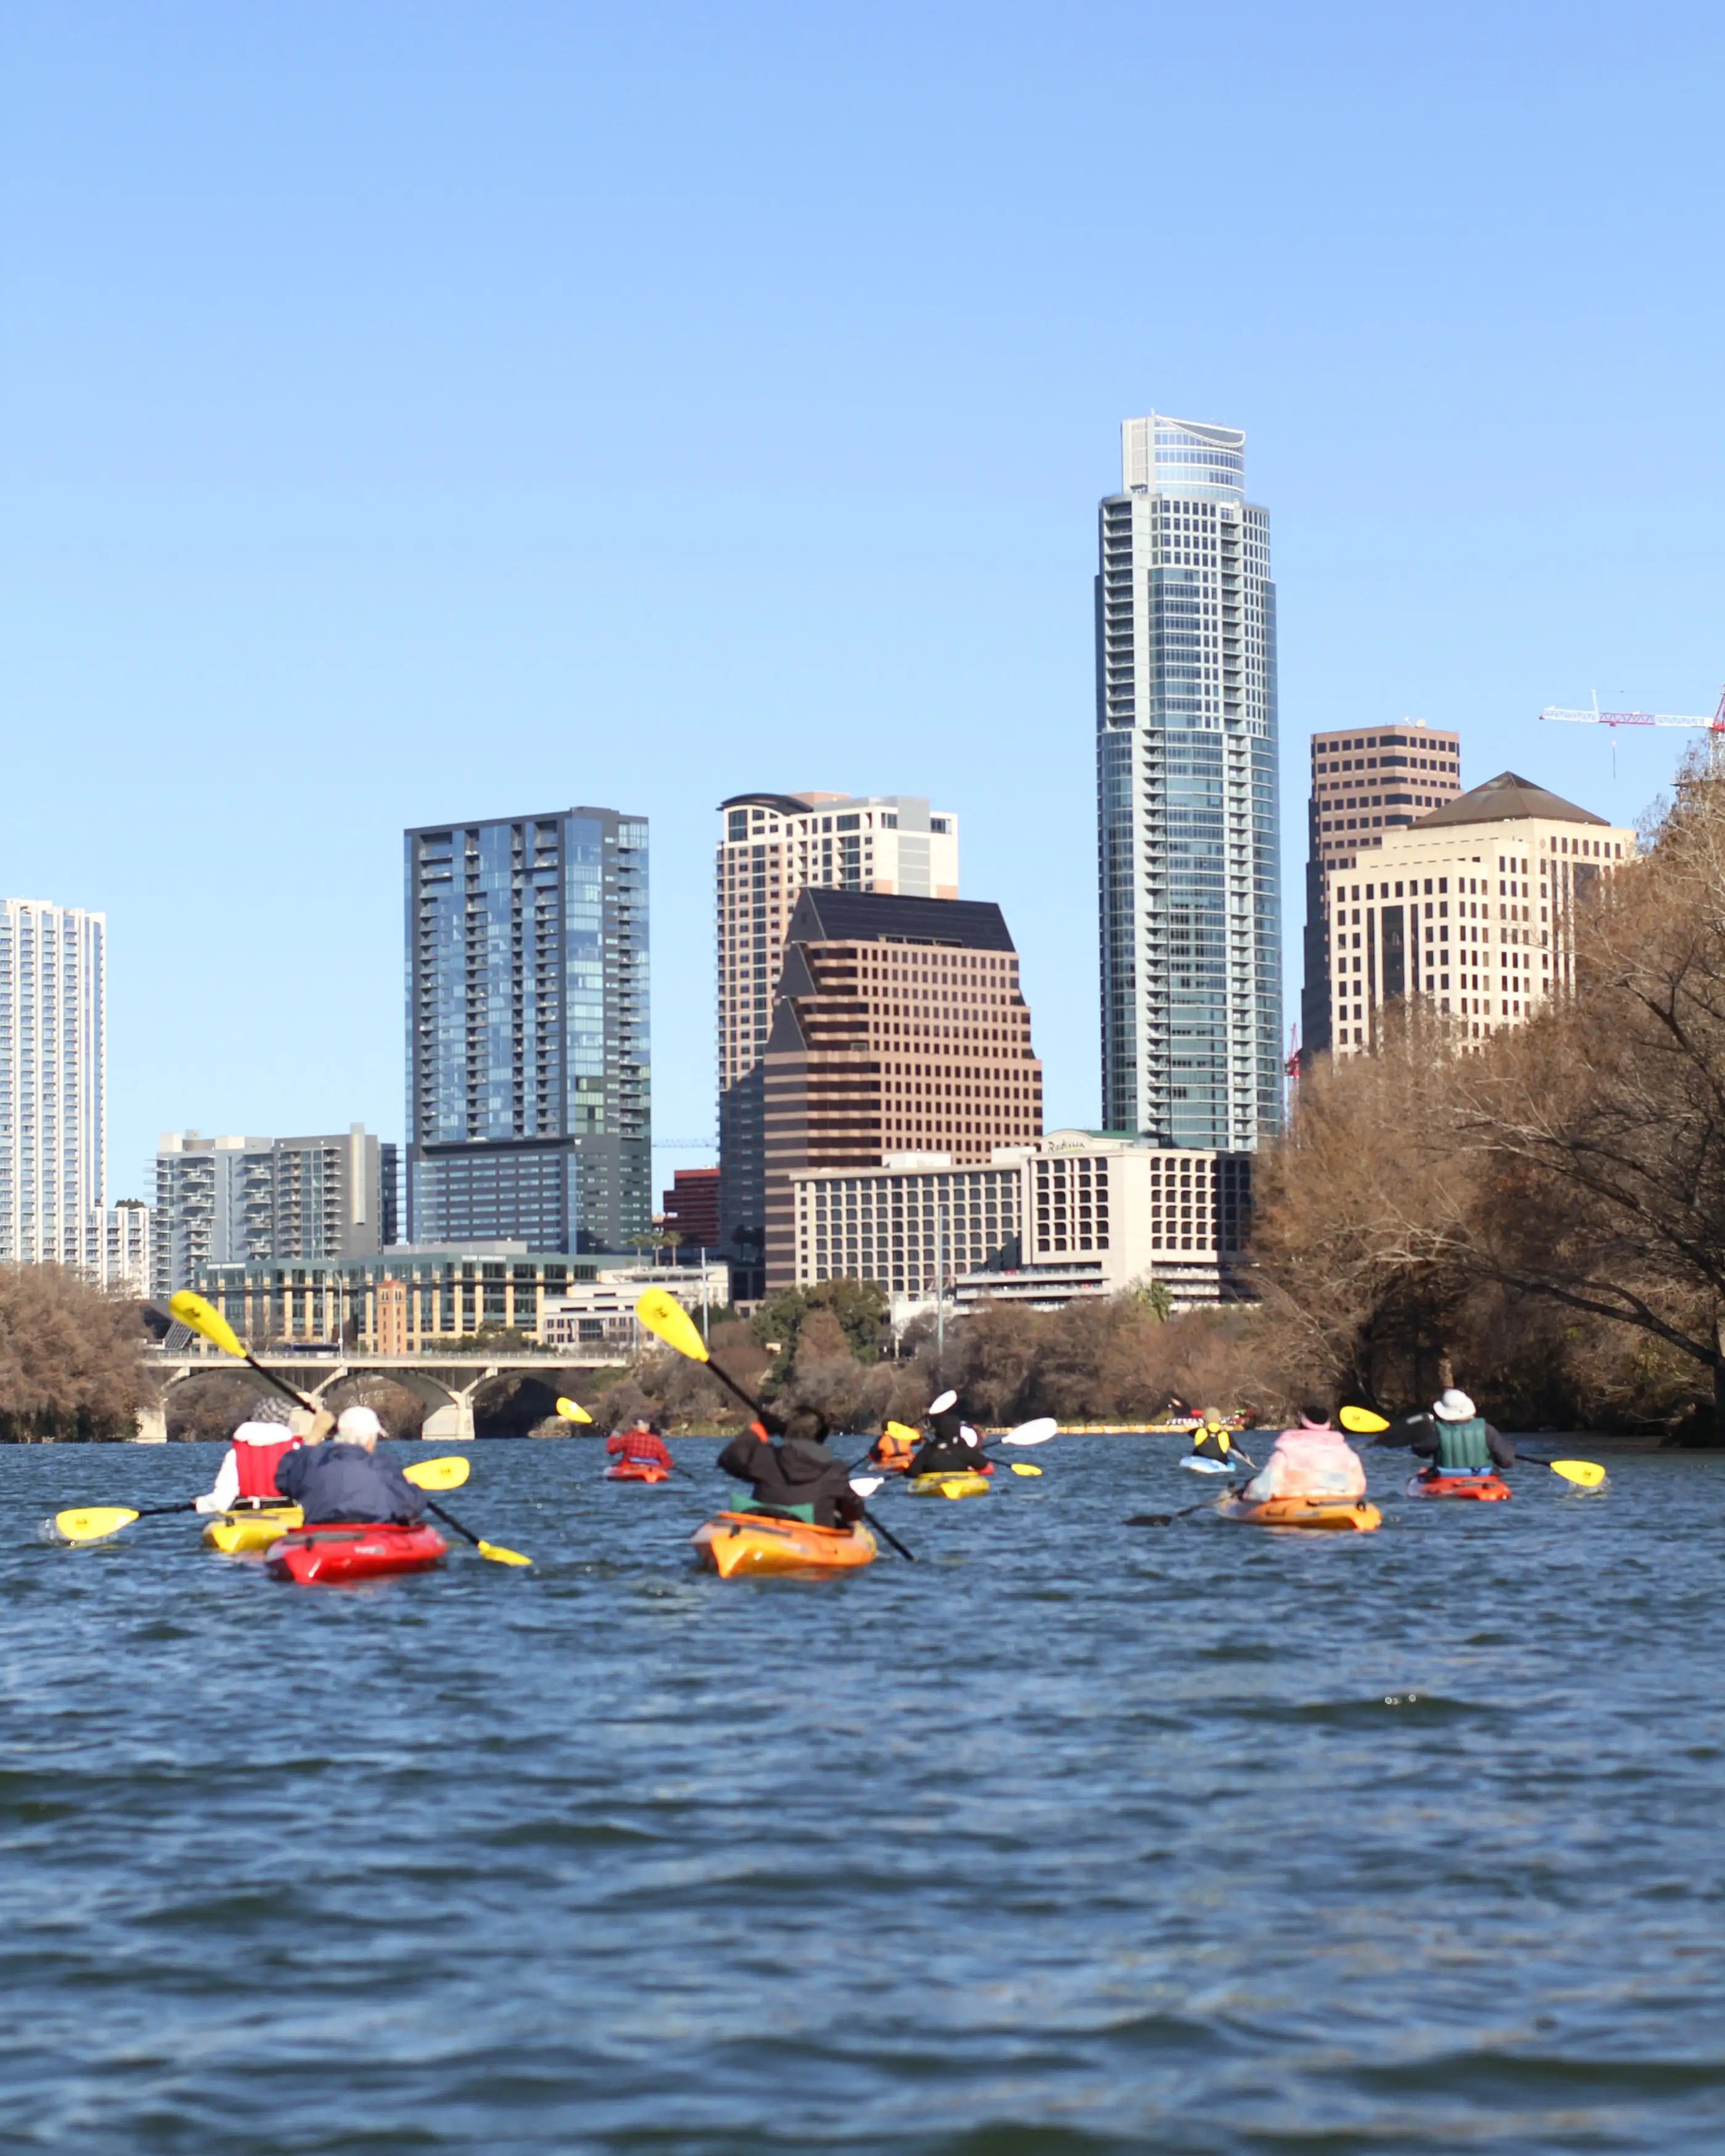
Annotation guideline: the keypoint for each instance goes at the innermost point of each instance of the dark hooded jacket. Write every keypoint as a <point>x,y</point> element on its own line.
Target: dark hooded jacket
<point>1420,1435</point>
<point>946,1451</point>
<point>345,1482</point>
<point>798,1476</point>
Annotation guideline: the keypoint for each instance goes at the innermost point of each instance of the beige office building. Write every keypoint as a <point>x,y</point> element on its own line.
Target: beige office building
<point>1471,908</point>
<point>772,846</point>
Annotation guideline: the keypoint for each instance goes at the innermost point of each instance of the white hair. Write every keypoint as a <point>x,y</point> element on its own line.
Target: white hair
<point>359,1426</point>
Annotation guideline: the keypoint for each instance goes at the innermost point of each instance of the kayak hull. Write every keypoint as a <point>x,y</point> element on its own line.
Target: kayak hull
<point>962,1483</point>
<point>1480,1489</point>
<point>1343,1515</point>
<point>249,1533</point>
<point>340,1554</point>
<point>1197,1465</point>
<point>756,1545</point>
<point>637,1470</point>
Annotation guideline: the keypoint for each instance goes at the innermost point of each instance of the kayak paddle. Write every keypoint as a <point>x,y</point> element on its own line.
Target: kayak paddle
<point>90,1523</point>
<point>494,1551</point>
<point>1167,1519</point>
<point>1585,1474</point>
<point>666,1319</point>
<point>1024,1467</point>
<point>202,1317</point>
<point>573,1411</point>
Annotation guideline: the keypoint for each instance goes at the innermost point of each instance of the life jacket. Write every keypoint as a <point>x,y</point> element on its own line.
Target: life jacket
<point>894,1446</point>
<point>1462,1449</point>
<point>1212,1442</point>
<point>1309,1463</point>
<point>255,1462</point>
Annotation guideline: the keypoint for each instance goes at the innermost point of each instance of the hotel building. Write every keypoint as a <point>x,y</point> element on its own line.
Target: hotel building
<point>1471,908</point>
<point>1189,858</point>
<point>1363,785</point>
<point>771,847</point>
<point>898,1027</point>
<point>529,1112</point>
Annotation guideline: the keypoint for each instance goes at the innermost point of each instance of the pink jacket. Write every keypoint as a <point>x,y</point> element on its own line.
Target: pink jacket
<point>1309,1463</point>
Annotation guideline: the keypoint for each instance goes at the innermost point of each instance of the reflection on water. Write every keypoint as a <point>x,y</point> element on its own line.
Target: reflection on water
<point>1069,1837</point>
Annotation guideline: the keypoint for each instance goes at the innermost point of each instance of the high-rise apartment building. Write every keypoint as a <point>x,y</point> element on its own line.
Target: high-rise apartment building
<point>771,847</point>
<point>1188,857</point>
<point>1472,907</point>
<point>529,1085</point>
<point>1363,785</point>
<point>899,1029</point>
<point>52,1084</point>
<point>287,1201</point>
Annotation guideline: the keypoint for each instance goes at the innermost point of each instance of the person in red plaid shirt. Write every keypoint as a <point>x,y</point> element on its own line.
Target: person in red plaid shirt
<point>642,1443</point>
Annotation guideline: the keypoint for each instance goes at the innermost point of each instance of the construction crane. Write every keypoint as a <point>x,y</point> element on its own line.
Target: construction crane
<point>1714,726</point>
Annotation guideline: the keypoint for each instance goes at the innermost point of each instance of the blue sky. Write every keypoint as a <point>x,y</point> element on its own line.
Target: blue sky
<point>417,411</point>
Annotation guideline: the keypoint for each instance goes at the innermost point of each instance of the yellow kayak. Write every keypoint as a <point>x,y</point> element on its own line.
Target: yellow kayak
<point>1350,1515</point>
<point>757,1542</point>
<point>964,1483</point>
<point>250,1532</point>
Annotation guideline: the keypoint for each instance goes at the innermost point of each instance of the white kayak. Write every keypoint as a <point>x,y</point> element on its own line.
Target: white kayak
<point>1201,1467</point>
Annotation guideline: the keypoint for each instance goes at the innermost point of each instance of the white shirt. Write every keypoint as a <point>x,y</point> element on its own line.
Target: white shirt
<point>227,1483</point>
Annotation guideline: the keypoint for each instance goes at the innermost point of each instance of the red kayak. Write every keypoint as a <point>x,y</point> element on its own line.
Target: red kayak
<point>638,1471</point>
<point>1487,1489</point>
<point>364,1549</point>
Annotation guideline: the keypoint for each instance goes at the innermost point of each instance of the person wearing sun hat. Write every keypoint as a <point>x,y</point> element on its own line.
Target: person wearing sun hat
<point>1454,1436</point>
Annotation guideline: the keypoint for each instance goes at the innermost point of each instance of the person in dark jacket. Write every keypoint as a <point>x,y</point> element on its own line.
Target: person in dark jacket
<point>951,1447</point>
<point>798,1476</point>
<point>1211,1440</point>
<point>1454,1438</point>
<point>345,1480</point>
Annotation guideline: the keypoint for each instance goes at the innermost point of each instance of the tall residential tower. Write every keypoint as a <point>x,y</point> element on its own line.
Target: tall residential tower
<point>771,847</point>
<point>52,1084</point>
<point>528,1081</point>
<point>1186,794</point>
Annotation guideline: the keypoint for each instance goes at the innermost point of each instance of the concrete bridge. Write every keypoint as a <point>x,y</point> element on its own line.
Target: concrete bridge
<point>446,1384</point>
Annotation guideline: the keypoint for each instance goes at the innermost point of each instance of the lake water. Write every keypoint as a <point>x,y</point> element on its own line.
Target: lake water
<point>1068,1838</point>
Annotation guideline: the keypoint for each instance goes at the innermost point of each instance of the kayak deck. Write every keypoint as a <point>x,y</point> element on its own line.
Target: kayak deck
<point>958,1482</point>
<point>638,1471</point>
<point>756,1544</point>
<point>249,1532</point>
<point>1344,1514</point>
<point>341,1551</point>
<point>1489,1488</point>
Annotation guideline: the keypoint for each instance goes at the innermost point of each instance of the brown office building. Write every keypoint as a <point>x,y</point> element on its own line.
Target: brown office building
<point>1363,786</point>
<point>690,1209</point>
<point>898,1029</point>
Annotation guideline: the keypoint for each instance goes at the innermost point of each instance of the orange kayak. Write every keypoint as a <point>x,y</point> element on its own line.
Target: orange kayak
<point>1353,1514</point>
<point>1487,1489</point>
<point>638,1471</point>
<point>756,1542</point>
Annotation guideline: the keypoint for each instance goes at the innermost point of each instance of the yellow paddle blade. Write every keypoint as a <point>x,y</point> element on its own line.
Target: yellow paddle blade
<point>499,1555</point>
<point>89,1523</point>
<point>1361,1421</point>
<point>203,1317</point>
<point>662,1314</point>
<point>448,1472</point>
<point>1024,1467</point>
<point>1586,1474</point>
<point>573,1411</point>
<point>904,1436</point>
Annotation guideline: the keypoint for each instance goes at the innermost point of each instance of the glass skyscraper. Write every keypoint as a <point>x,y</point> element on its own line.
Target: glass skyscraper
<point>1188,859</point>
<point>529,1086</point>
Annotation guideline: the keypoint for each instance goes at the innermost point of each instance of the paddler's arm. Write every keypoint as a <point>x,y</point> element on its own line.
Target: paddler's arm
<point>408,1499</point>
<point>1502,1449</point>
<point>225,1488</point>
<point>740,1457</point>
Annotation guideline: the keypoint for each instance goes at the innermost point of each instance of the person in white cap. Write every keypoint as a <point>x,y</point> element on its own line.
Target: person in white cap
<point>1455,1437</point>
<point>247,1475</point>
<point>347,1480</point>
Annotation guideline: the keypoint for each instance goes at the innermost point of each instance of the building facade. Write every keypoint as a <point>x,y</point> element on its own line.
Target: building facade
<point>288,1201</point>
<point>1363,785</point>
<point>771,847</point>
<point>899,1026</point>
<point>1187,855</point>
<point>1471,909</point>
<point>1081,1213</point>
<point>125,1238</point>
<point>402,1301</point>
<point>52,1084</point>
<point>690,1209</point>
<point>529,1082</point>
<point>601,1312</point>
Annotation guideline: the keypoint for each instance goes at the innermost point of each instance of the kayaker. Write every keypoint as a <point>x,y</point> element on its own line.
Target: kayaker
<point>642,1443</point>
<point>1213,1441</point>
<point>798,1476</point>
<point>346,1480</point>
<point>1311,1459</point>
<point>247,1474</point>
<point>893,1448</point>
<point>953,1446</point>
<point>1454,1436</point>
